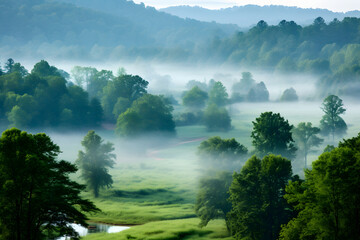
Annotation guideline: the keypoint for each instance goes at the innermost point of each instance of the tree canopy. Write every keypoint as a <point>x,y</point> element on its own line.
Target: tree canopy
<point>331,123</point>
<point>272,134</point>
<point>256,194</point>
<point>37,198</point>
<point>147,114</point>
<point>95,161</point>
<point>216,118</point>
<point>195,98</point>
<point>327,201</point>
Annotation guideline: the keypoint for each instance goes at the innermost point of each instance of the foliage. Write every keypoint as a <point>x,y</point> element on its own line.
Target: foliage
<point>216,118</point>
<point>37,199</point>
<point>241,89</point>
<point>211,201</point>
<point>331,123</point>
<point>124,87</point>
<point>217,152</point>
<point>218,94</point>
<point>272,134</point>
<point>147,114</point>
<point>258,93</point>
<point>256,194</point>
<point>305,138</point>
<point>195,98</point>
<point>289,95</point>
<point>44,99</point>
<point>328,199</point>
<point>95,161</point>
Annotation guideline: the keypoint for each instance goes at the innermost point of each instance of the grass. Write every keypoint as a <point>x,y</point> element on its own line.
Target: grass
<point>168,230</point>
<point>155,180</point>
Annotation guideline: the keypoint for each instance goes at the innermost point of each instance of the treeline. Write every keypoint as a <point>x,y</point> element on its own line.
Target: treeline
<point>46,97</point>
<point>331,50</point>
<point>264,200</point>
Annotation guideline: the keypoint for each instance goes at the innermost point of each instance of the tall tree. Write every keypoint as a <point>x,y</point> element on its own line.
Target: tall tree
<point>95,161</point>
<point>256,194</point>
<point>331,122</point>
<point>328,199</point>
<point>37,198</point>
<point>216,118</point>
<point>211,200</point>
<point>305,138</point>
<point>218,94</point>
<point>272,134</point>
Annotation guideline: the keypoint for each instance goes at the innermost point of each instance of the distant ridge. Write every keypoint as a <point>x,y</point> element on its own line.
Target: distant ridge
<point>249,15</point>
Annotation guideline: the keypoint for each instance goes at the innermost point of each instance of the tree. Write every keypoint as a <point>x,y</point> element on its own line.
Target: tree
<point>328,199</point>
<point>256,194</point>
<point>37,198</point>
<point>331,122</point>
<point>240,89</point>
<point>259,93</point>
<point>216,118</point>
<point>305,138</point>
<point>217,151</point>
<point>289,95</point>
<point>218,94</point>
<point>95,161</point>
<point>195,98</point>
<point>147,114</point>
<point>272,134</point>
<point>211,200</point>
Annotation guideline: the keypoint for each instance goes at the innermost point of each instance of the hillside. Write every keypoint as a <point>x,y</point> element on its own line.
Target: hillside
<point>63,29</point>
<point>249,15</point>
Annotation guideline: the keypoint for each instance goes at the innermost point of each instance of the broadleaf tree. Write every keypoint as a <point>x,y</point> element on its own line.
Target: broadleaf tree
<point>95,161</point>
<point>38,199</point>
<point>331,123</point>
<point>272,134</point>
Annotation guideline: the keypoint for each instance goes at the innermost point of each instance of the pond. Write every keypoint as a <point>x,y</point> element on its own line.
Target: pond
<point>95,228</point>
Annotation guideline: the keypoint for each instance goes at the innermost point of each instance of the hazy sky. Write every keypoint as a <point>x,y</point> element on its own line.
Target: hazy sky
<point>334,5</point>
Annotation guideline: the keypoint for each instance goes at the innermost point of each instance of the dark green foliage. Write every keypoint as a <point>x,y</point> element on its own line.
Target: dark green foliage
<point>305,138</point>
<point>195,98</point>
<point>44,99</point>
<point>188,118</point>
<point>125,87</point>
<point>328,199</point>
<point>272,134</point>
<point>146,114</point>
<point>289,95</point>
<point>331,123</point>
<point>256,194</point>
<point>216,118</point>
<point>95,161</point>
<point>37,198</point>
<point>211,201</point>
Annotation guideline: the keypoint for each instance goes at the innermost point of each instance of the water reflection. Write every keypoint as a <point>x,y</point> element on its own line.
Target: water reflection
<point>95,228</point>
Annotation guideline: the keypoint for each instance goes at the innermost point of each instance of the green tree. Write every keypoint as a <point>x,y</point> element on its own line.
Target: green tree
<point>95,161</point>
<point>147,114</point>
<point>218,94</point>
<point>240,89</point>
<point>289,95</point>
<point>305,138</point>
<point>195,98</point>
<point>216,118</point>
<point>219,151</point>
<point>37,198</point>
<point>256,194</point>
<point>211,200</point>
<point>331,123</point>
<point>328,199</point>
<point>272,134</point>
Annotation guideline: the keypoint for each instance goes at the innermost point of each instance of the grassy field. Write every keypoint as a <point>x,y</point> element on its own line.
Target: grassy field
<point>155,184</point>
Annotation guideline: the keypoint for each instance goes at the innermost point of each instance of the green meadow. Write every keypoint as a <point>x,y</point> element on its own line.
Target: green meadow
<point>155,191</point>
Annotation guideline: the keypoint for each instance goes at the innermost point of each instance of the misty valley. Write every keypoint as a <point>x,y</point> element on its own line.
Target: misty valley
<point>122,121</point>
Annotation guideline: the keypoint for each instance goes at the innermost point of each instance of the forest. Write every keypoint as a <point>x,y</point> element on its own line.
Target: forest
<point>120,121</point>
